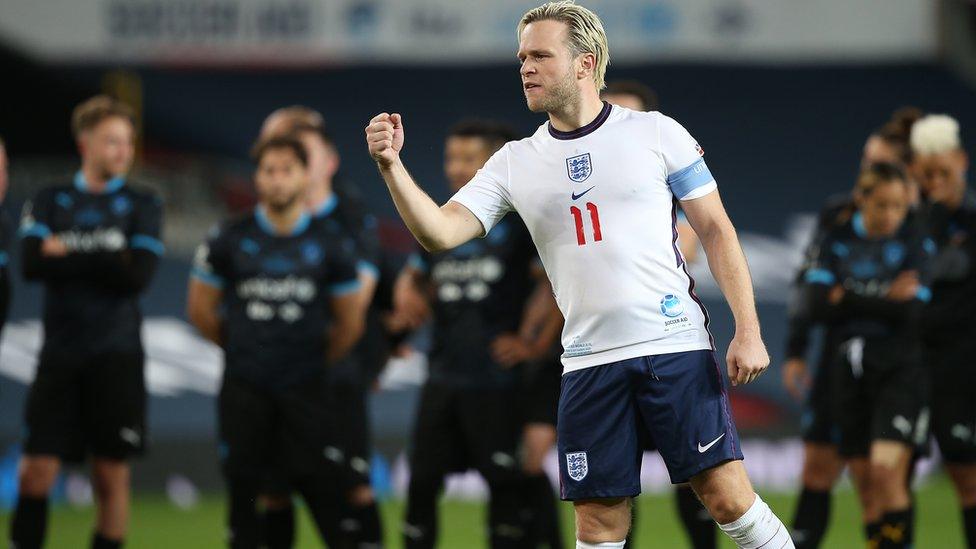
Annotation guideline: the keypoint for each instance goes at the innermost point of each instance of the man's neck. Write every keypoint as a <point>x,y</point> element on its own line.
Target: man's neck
<point>317,195</point>
<point>284,221</point>
<point>95,180</point>
<point>577,115</point>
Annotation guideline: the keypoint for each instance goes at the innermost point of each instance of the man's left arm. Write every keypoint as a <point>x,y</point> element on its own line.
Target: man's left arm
<point>747,357</point>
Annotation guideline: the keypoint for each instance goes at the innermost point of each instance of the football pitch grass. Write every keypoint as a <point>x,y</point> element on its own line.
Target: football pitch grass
<point>157,524</point>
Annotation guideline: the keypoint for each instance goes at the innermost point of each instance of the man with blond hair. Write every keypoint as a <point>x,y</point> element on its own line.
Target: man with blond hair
<point>597,187</point>
<point>94,243</point>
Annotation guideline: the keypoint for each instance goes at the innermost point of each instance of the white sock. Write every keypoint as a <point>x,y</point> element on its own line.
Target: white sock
<point>758,528</point>
<point>604,545</point>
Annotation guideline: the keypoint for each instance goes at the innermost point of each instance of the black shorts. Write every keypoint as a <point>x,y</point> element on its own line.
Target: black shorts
<point>353,448</point>
<point>880,395</point>
<point>459,429</point>
<point>279,437</point>
<point>952,374</point>
<point>817,424</point>
<point>542,382</point>
<point>87,405</point>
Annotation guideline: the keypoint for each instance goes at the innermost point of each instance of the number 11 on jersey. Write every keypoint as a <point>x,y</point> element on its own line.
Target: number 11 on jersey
<point>594,220</point>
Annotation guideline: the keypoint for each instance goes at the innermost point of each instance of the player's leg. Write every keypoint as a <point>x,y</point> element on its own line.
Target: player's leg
<point>889,463</point>
<point>599,452</point>
<point>37,475</point>
<point>434,450</point>
<point>491,430</point>
<point>602,522</point>
<point>53,417</point>
<point>953,413</point>
<point>362,522</point>
<point>694,517</point>
<point>683,402</point>
<point>277,515</point>
<point>303,432</point>
<point>822,467</point>
<point>110,481</point>
<point>115,417</point>
<point>963,476</point>
<point>822,463</point>
<point>538,439</point>
<point>246,427</point>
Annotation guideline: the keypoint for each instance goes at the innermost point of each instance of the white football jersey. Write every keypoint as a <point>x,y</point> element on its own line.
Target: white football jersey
<point>601,205</point>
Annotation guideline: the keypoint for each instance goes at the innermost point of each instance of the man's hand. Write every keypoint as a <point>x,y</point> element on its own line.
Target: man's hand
<point>384,136</point>
<point>796,378</point>
<point>53,247</point>
<point>747,358</point>
<point>904,288</point>
<point>510,349</point>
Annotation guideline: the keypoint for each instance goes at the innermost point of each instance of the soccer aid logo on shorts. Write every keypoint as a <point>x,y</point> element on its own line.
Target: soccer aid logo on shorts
<point>579,167</point>
<point>576,465</point>
<point>671,306</point>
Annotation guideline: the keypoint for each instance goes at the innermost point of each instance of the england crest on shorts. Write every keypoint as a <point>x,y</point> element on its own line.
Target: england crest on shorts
<point>579,167</point>
<point>576,465</point>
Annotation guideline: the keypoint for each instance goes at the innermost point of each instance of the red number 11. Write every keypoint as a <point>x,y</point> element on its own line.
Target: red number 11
<point>594,219</point>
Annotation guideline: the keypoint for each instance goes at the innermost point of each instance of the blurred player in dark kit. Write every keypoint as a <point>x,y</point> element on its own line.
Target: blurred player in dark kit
<point>94,243</point>
<point>469,415</point>
<point>869,283</point>
<point>6,236</point>
<point>822,464</point>
<point>279,293</point>
<point>340,210</point>
<point>939,165</point>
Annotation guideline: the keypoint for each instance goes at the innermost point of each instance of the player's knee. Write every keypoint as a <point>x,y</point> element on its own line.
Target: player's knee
<point>274,502</point>
<point>727,507</point>
<point>964,479</point>
<point>819,475</point>
<point>361,496</point>
<point>887,481</point>
<point>602,521</point>
<point>37,476</point>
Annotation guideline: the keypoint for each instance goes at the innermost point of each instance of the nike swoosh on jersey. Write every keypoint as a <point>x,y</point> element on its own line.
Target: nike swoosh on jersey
<point>577,196</point>
<point>703,449</point>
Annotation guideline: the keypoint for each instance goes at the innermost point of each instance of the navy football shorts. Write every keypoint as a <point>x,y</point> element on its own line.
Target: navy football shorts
<point>607,413</point>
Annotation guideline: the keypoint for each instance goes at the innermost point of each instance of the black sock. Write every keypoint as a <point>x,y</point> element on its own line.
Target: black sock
<point>420,524</point>
<point>242,520</point>
<point>698,523</point>
<point>101,542</point>
<point>29,523</point>
<point>897,530</point>
<point>969,524</point>
<point>872,532</point>
<point>279,527</point>
<point>811,518</point>
<point>506,515</point>
<point>370,532</point>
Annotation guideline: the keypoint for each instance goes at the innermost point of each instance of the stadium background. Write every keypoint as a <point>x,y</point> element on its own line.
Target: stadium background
<point>781,95</point>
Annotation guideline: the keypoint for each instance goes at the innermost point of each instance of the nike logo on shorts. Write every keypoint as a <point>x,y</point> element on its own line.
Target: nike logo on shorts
<point>703,449</point>
<point>580,195</point>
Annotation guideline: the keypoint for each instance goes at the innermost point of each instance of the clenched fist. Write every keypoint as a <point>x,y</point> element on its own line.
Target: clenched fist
<point>384,136</point>
<point>747,358</point>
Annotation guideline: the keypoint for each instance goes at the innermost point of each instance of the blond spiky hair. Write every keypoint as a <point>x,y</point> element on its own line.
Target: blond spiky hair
<point>586,34</point>
<point>935,134</point>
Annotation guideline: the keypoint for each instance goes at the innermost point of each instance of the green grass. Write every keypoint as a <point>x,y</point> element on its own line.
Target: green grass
<point>157,524</point>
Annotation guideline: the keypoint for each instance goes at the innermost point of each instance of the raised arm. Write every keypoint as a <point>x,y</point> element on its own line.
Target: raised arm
<point>747,357</point>
<point>437,228</point>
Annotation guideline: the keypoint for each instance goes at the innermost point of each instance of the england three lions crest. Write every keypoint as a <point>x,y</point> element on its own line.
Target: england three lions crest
<point>576,465</point>
<point>579,167</point>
